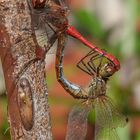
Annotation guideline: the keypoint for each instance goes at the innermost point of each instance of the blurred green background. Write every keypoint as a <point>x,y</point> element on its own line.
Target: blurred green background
<point>111,25</point>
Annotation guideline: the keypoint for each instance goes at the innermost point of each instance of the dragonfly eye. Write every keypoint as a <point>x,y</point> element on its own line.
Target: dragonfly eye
<point>107,70</point>
<point>38,3</point>
<point>64,11</point>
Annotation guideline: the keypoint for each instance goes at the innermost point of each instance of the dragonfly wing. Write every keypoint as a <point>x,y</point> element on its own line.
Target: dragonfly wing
<point>107,114</point>
<point>103,114</point>
<point>119,120</point>
<point>43,37</point>
<point>43,32</point>
<point>108,118</point>
<point>106,134</point>
<point>77,124</point>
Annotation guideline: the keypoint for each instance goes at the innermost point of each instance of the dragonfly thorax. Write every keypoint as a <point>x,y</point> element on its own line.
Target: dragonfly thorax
<point>53,15</point>
<point>97,87</point>
<point>57,16</point>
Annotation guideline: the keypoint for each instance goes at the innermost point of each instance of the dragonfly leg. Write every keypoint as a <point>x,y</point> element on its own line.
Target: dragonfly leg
<point>75,90</point>
<point>87,70</point>
<point>104,65</point>
<point>92,65</point>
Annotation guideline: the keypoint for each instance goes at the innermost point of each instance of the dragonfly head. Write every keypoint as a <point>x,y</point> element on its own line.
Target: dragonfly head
<point>57,16</point>
<point>107,70</point>
<point>64,11</point>
<point>51,13</point>
<point>38,3</point>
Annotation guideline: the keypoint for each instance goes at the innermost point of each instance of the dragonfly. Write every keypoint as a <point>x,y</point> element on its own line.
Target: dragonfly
<point>50,23</point>
<point>107,115</point>
<point>53,13</point>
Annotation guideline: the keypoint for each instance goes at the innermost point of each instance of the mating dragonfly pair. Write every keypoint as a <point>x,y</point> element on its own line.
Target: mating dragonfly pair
<point>99,64</point>
<point>51,15</point>
<point>50,24</point>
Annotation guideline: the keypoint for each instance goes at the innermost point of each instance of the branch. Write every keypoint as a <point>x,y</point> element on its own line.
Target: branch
<point>28,109</point>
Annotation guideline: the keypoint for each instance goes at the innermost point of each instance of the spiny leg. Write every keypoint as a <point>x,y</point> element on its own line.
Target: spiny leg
<point>92,65</point>
<point>87,68</point>
<point>88,71</point>
<point>81,62</point>
<point>99,56</point>
<point>107,63</point>
<point>94,58</point>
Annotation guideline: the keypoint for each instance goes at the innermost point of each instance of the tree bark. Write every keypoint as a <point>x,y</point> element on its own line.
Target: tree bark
<point>28,110</point>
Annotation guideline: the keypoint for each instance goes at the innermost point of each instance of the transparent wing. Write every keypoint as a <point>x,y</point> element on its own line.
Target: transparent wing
<point>108,118</point>
<point>43,36</point>
<point>43,32</point>
<point>107,113</point>
<point>106,134</point>
<point>77,124</point>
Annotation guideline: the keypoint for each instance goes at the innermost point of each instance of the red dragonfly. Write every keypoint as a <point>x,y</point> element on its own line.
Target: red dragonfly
<point>50,23</point>
<point>53,13</point>
<point>107,116</point>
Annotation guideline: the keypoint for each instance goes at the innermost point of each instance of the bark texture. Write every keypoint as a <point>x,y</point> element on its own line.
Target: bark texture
<point>28,109</point>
